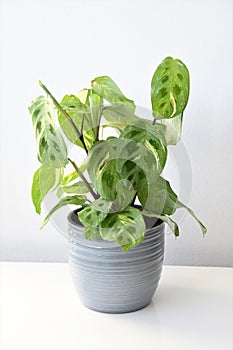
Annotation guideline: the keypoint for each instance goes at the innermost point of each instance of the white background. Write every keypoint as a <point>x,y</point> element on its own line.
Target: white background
<point>66,44</point>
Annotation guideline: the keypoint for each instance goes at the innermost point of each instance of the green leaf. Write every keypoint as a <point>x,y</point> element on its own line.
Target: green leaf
<point>107,179</point>
<point>152,196</point>
<point>163,201</point>
<point>171,198</point>
<point>103,206</point>
<point>91,126</point>
<point>119,114</point>
<point>157,197</point>
<point>90,217</point>
<point>44,180</point>
<point>132,172</point>
<point>169,89</point>
<point>117,126</point>
<point>171,223</point>
<point>86,118</point>
<point>72,175</point>
<point>191,212</point>
<point>150,136</point>
<point>77,200</point>
<point>69,177</point>
<point>126,228</point>
<point>116,167</point>
<point>76,188</point>
<point>123,196</point>
<point>72,104</point>
<point>106,88</point>
<point>75,109</point>
<point>173,129</point>
<point>83,95</point>
<point>96,104</point>
<point>91,233</point>
<point>93,214</point>
<point>51,148</point>
<point>125,153</point>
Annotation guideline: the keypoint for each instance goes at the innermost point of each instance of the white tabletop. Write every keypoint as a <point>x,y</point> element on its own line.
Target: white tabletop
<point>39,310</point>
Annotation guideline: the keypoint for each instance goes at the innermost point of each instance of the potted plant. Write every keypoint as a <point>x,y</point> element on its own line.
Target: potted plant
<point>116,233</point>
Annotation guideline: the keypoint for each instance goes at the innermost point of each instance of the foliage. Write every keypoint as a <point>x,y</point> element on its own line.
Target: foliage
<point>121,169</point>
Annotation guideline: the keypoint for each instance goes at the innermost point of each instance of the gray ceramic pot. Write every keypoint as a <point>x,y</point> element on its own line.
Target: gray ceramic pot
<point>110,280</point>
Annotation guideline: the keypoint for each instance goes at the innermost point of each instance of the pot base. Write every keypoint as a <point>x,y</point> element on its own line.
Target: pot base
<point>118,311</point>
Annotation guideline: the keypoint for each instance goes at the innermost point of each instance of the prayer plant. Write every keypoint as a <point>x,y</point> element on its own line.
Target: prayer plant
<point>119,170</point>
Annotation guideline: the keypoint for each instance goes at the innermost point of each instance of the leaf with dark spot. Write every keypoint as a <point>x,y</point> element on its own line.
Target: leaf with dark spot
<point>169,89</point>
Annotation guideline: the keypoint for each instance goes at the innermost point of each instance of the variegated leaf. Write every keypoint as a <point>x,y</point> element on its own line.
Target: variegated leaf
<point>169,88</point>
<point>113,160</point>
<point>51,148</point>
<point>76,110</point>
<point>150,136</point>
<point>126,228</point>
<point>106,88</point>
<point>77,188</point>
<point>173,129</point>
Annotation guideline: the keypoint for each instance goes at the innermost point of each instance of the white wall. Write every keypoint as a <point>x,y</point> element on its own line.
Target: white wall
<point>66,44</point>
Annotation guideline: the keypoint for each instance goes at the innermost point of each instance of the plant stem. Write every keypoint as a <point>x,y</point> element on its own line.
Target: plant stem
<point>95,195</point>
<point>65,114</point>
<point>154,121</point>
<point>97,128</point>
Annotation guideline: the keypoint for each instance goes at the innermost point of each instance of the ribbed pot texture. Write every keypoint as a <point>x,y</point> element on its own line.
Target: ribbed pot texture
<point>110,280</point>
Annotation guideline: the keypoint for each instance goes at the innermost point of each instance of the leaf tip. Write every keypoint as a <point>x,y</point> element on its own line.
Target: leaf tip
<point>44,223</point>
<point>124,248</point>
<point>204,231</point>
<point>37,205</point>
<point>40,83</point>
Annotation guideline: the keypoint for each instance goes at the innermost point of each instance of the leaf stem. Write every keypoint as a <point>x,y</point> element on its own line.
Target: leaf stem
<point>65,114</point>
<point>154,121</point>
<point>94,195</point>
